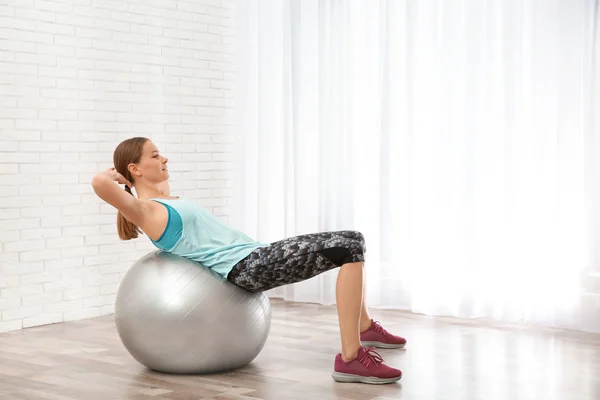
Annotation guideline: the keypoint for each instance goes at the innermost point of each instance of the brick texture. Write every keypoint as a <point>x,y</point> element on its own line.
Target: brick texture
<point>76,78</point>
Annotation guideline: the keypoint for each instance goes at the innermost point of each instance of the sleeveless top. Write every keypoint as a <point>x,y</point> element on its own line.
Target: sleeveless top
<point>194,233</point>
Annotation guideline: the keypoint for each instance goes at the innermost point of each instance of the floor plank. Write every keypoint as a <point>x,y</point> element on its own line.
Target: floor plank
<point>446,359</point>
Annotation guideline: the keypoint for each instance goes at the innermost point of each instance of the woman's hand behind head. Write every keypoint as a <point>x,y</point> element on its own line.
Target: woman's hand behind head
<point>117,177</point>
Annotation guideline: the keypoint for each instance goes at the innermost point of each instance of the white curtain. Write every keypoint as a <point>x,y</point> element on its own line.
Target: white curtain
<point>457,136</point>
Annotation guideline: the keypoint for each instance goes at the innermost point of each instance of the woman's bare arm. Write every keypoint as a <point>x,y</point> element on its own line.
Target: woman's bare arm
<point>105,187</point>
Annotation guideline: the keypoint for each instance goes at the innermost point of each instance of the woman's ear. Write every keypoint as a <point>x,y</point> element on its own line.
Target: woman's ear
<point>134,170</point>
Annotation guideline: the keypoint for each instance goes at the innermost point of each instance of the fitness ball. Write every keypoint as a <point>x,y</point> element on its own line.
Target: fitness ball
<point>173,315</point>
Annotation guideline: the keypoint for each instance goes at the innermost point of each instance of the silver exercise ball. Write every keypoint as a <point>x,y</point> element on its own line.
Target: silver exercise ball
<point>174,315</point>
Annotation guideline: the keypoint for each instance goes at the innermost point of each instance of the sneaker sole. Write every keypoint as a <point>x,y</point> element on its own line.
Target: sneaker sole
<point>349,378</point>
<point>383,345</point>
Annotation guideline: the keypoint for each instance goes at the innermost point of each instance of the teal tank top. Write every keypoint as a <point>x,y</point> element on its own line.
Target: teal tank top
<point>196,234</point>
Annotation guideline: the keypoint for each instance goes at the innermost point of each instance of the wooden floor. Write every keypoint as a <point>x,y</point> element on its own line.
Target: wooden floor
<point>445,359</point>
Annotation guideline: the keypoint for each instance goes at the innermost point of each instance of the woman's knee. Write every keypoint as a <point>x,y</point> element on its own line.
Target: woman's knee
<point>355,238</point>
<point>359,239</point>
<point>356,250</point>
<point>356,235</point>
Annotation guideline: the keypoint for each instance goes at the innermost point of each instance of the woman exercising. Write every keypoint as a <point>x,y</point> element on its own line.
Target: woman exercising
<point>184,228</point>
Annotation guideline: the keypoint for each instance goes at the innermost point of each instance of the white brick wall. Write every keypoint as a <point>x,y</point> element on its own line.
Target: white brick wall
<point>76,78</point>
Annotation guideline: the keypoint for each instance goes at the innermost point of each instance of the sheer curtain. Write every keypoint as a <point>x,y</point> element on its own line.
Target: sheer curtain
<point>458,137</point>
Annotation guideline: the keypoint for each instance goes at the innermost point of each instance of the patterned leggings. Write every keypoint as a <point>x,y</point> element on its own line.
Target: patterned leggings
<point>296,259</point>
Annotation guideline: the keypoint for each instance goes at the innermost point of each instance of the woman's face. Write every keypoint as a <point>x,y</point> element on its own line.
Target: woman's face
<point>152,166</point>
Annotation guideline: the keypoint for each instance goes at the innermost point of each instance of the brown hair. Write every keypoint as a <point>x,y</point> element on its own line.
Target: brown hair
<point>127,152</point>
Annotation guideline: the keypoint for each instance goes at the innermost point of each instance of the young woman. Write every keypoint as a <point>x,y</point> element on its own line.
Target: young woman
<point>183,227</point>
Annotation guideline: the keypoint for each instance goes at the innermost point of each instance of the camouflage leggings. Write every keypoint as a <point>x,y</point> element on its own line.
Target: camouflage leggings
<point>296,259</point>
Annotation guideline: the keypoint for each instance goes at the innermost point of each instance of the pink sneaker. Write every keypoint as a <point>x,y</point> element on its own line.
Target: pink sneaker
<point>367,367</point>
<point>376,336</point>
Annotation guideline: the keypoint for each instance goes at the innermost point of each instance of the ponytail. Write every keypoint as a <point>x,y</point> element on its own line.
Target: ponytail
<point>127,230</point>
